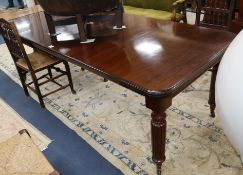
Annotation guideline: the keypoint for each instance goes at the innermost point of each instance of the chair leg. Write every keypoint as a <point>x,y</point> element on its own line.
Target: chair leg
<point>50,24</point>
<point>49,72</point>
<point>22,77</point>
<point>184,17</point>
<point>69,76</point>
<point>37,89</point>
<point>185,20</point>
<point>81,28</point>
<point>211,100</point>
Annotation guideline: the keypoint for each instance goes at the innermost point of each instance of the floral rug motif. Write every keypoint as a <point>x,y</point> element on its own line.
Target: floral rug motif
<point>116,123</point>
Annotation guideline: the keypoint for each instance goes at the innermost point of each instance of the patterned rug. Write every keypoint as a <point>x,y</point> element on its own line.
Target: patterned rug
<point>11,123</point>
<point>115,122</point>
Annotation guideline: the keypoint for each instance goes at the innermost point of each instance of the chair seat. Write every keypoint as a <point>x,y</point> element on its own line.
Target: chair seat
<point>157,14</point>
<point>19,155</point>
<point>38,61</point>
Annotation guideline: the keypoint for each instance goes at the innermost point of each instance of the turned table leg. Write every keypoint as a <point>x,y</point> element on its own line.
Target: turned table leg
<point>158,128</point>
<point>211,100</point>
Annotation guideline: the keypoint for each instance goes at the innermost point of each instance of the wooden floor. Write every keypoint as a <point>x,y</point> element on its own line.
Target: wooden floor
<point>10,15</point>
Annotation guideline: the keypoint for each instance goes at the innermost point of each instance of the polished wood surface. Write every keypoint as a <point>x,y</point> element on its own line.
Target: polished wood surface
<point>154,58</point>
<point>169,54</point>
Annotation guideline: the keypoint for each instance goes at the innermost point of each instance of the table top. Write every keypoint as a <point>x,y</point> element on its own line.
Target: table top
<point>151,57</point>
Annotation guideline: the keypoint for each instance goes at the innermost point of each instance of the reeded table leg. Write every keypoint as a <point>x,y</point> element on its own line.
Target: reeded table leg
<point>211,100</point>
<point>158,128</point>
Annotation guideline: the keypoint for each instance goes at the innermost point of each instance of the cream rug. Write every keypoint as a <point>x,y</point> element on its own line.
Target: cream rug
<point>116,123</point>
<point>11,123</point>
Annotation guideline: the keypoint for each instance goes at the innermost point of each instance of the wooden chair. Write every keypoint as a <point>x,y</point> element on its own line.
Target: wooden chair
<point>33,63</point>
<point>19,155</point>
<point>217,13</point>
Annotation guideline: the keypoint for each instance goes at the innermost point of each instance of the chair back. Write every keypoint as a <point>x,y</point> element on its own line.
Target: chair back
<point>216,13</point>
<point>13,42</point>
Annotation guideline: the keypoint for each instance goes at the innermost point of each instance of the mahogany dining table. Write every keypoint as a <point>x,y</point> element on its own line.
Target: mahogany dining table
<point>155,58</point>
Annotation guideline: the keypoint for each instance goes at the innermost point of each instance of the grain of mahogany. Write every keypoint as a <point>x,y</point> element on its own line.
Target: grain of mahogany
<point>157,59</point>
